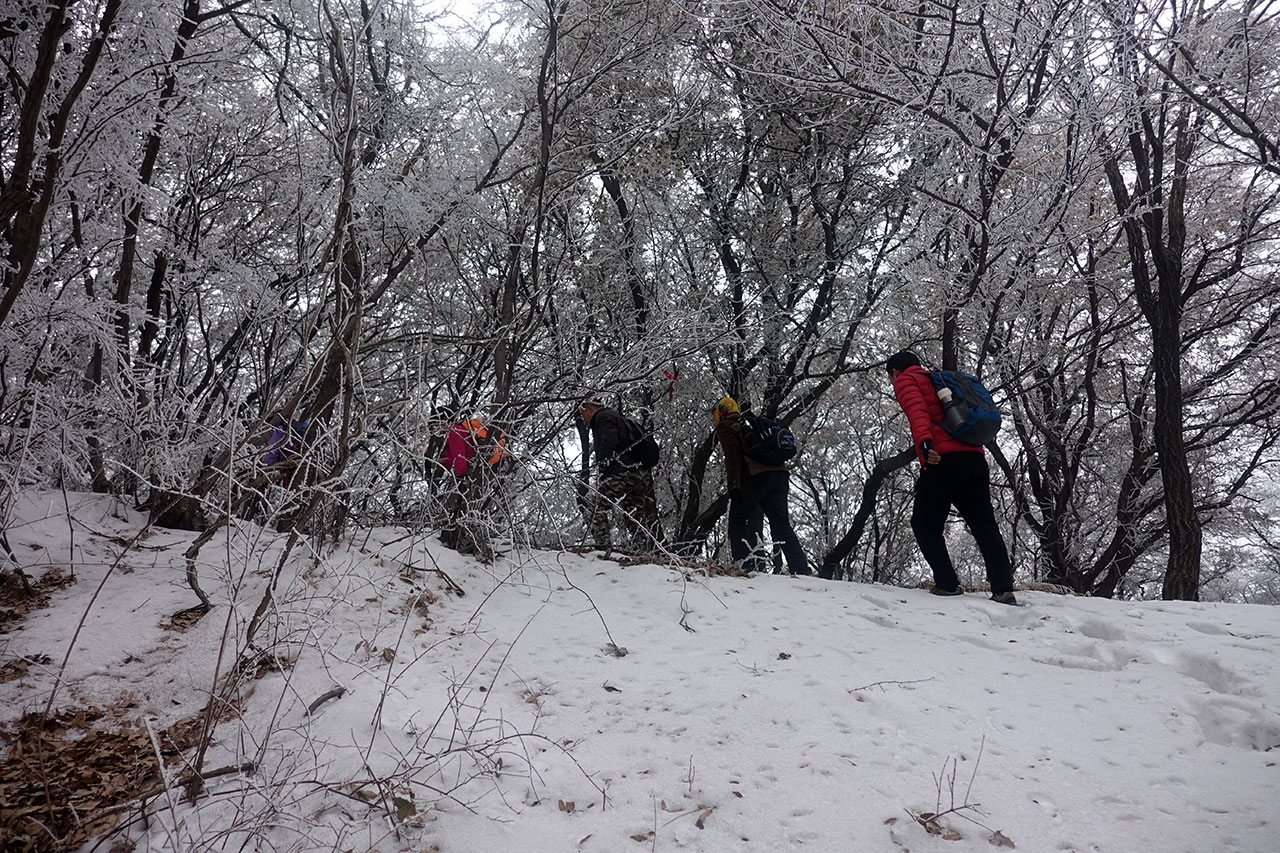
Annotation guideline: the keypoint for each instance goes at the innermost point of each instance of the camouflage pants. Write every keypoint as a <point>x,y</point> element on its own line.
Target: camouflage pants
<point>467,507</point>
<point>631,492</point>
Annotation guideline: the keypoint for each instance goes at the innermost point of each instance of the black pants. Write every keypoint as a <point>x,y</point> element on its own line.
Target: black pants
<point>960,480</point>
<point>766,491</point>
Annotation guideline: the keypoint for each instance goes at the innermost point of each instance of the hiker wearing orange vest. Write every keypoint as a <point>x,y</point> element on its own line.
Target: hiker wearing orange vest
<point>465,442</point>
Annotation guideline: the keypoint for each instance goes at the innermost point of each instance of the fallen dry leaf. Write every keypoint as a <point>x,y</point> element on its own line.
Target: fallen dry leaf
<point>999,839</point>
<point>930,823</point>
<point>405,808</point>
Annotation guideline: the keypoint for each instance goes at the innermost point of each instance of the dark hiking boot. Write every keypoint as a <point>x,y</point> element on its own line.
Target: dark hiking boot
<point>937,590</point>
<point>1005,598</point>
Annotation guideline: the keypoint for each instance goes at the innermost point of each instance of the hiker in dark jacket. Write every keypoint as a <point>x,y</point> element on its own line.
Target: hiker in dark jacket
<point>953,473</point>
<point>754,486</point>
<point>621,483</point>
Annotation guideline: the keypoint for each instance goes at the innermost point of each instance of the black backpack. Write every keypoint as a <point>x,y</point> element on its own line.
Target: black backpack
<point>642,446</point>
<point>767,439</point>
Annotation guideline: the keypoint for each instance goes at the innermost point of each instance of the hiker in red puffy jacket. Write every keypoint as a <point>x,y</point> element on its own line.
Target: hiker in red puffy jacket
<point>953,474</point>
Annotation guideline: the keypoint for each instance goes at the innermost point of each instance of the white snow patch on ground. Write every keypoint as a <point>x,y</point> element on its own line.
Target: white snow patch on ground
<point>794,713</point>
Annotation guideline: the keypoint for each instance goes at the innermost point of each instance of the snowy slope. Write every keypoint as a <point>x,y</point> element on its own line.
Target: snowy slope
<point>791,713</point>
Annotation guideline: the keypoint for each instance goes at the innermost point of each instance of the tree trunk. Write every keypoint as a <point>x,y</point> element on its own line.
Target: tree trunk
<point>848,545</point>
<point>1182,576</point>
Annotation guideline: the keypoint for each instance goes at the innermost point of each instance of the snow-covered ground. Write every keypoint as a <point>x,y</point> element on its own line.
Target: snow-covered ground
<point>569,703</point>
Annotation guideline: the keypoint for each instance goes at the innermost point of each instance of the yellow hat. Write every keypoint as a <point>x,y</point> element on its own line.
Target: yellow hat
<point>726,406</point>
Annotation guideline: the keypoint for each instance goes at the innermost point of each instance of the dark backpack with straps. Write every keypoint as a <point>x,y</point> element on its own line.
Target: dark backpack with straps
<point>767,439</point>
<point>642,447</point>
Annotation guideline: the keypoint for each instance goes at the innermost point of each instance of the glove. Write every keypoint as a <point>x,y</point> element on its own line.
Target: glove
<point>926,447</point>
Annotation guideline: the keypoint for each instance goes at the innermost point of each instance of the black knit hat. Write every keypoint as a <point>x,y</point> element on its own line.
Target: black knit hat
<point>902,360</point>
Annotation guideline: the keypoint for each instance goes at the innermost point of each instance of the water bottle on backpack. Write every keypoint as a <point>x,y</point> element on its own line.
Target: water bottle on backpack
<point>968,412</point>
<point>955,411</point>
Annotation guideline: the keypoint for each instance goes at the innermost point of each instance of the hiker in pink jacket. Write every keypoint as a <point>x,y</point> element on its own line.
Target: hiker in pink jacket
<point>462,445</point>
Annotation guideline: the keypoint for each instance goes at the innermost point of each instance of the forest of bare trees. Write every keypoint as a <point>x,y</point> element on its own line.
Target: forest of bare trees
<point>378,217</point>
